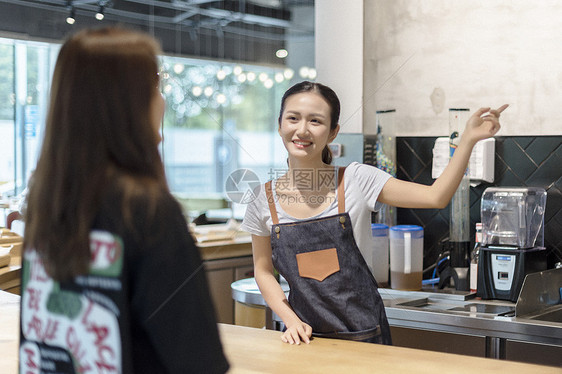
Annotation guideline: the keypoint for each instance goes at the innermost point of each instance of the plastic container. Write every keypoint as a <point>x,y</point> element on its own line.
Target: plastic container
<point>379,263</point>
<point>513,216</point>
<point>406,257</point>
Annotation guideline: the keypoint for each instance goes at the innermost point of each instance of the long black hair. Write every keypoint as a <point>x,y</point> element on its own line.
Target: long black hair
<point>331,98</point>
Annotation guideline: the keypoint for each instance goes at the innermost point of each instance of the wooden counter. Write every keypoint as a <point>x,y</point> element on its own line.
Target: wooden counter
<point>10,276</point>
<point>239,246</point>
<point>217,242</point>
<point>226,261</point>
<point>251,350</point>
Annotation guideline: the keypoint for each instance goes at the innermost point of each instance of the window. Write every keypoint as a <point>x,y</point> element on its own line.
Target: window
<point>25,69</point>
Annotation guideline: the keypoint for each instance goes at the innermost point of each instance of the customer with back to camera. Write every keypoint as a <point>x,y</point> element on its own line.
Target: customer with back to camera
<point>112,280</point>
<point>310,223</point>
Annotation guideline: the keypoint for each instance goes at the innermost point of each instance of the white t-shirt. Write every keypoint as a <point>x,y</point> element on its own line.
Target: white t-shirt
<point>363,184</point>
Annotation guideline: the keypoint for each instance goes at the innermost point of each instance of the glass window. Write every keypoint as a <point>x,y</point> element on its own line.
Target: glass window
<point>219,118</point>
<point>7,100</point>
<point>25,69</point>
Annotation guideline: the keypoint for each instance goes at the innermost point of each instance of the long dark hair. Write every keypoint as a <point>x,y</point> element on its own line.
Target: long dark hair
<point>331,98</point>
<point>98,135</point>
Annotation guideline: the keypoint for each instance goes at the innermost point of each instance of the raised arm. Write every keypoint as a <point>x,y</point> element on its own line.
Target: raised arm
<point>483,124</point>
<point>274,295</point>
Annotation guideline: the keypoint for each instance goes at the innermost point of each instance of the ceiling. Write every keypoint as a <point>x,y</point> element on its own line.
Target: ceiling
<point>239,30</point>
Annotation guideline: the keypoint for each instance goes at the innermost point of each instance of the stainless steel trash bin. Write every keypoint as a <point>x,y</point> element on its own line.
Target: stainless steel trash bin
<point>250,309</point>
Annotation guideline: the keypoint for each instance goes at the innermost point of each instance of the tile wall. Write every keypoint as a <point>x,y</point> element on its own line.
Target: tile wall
<point>519,161</point>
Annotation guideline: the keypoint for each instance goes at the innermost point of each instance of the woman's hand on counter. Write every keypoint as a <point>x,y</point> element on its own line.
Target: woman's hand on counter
<point>297,332</point>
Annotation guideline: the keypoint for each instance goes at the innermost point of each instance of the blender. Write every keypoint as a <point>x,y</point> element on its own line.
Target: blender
<point>512,240</point>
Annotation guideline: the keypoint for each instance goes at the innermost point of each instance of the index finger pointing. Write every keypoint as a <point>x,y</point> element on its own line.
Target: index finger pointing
<point>502,108</point>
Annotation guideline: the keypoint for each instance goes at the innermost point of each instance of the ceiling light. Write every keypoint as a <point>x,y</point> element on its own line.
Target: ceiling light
<point>251,76</point>
<point>237,70</point>
<point>70,19</point>
<point>279,77</point>
<point>99,14</point>
<point>281,53</point>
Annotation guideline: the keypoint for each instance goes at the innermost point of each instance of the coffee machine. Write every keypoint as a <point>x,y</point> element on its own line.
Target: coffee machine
<point>512,240</point>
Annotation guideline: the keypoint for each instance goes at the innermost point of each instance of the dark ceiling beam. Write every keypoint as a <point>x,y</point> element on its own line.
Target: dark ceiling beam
<point>247,18</point>
<point>219,13</point>
<point>183,16</point>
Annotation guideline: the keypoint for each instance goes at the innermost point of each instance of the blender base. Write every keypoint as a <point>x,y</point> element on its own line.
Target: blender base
<point>501,270</point>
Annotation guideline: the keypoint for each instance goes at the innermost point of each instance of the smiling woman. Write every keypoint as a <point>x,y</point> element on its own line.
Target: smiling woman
<point>312,223</point>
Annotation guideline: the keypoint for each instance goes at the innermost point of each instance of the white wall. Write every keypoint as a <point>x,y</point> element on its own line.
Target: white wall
<point>470,53</point>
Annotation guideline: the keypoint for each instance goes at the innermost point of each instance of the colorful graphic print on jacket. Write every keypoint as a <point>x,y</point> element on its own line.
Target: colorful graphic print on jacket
<point>74,329</point>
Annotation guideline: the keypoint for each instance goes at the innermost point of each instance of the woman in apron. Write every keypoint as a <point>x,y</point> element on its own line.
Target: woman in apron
<point>310,223</point>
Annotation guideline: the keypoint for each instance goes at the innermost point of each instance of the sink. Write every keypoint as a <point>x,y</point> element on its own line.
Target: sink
<point>552,314</point>
<point>453,307</point>
<point>485,309</point>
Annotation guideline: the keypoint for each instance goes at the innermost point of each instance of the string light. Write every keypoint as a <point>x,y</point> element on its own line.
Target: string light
<point>221,74</point>
<point>208,91</point>
<point>312,73</point>
<point>288,73</point>
<point>178,68</point>
<point>221,98</point>
<point>197,91</point>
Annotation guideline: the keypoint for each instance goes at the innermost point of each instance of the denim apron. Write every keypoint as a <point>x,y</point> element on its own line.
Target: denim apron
<point>331,287</point>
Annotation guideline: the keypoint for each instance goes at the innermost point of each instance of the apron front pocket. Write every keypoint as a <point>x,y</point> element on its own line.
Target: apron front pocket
<point>318,264</point>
